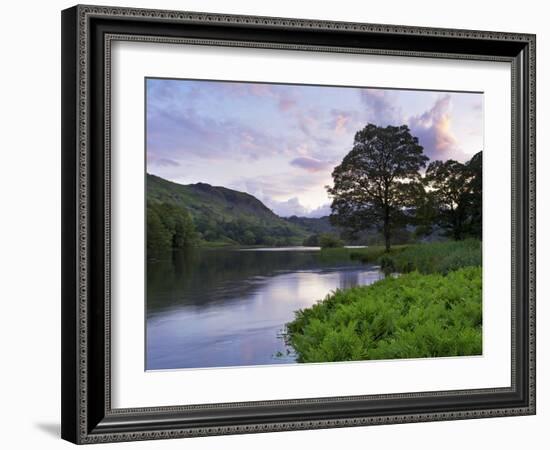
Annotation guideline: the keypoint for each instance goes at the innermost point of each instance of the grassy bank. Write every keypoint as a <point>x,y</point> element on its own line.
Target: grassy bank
<point>437,257</point>
<point>433,309</point>
<point>440,257</point>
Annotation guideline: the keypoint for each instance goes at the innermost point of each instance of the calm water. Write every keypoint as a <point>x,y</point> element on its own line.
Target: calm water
<point>217,308</point>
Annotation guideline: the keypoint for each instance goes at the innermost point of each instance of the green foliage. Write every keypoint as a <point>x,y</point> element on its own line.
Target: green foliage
<point>314,225</point>
<point>436,257</point>
<point>424,211</point>
<point>311,241</point>
<point>475,197</point>
<point>410,316</point>
<point>169,227</point>
<point>440,257</point>
<point>158,237</point>
<point>376,180</point>
<point>399,236</point>
<point>455,194</point>
<point>249,238</point>
<point>330,241</point>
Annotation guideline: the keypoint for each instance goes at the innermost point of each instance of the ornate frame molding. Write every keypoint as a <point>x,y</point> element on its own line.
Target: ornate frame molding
<point>87,422</point>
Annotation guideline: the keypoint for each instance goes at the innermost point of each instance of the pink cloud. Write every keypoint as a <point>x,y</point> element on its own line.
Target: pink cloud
<point>286,103</point>
<point>340,124</point>
<point>308,124</point>
<point>434,131</point>
<point>310,164</point>
<point>261,90</point>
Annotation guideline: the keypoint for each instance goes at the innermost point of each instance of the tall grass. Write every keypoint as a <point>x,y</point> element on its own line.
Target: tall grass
<point>411,316</point>
<point>439,257</point>
<point>372,254</point>
<point>436,257</point>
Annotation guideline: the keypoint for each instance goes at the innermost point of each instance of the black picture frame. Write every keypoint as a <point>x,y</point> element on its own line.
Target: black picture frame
<point>87,416</point>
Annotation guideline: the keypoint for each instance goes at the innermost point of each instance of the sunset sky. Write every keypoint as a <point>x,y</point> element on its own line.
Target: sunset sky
<point>280,143</point>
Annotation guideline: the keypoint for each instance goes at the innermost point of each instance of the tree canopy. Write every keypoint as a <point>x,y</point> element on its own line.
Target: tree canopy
<point>169,227</point>
<point>456,190</point>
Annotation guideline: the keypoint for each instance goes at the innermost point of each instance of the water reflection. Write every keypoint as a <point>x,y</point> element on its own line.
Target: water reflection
<point>216,308</point>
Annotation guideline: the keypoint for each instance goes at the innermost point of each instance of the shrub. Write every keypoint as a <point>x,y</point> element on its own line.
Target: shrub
<point>330,241</point>
<point>311,241</point>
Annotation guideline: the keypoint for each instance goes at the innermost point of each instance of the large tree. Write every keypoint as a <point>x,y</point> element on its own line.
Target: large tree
<point>374,184</point>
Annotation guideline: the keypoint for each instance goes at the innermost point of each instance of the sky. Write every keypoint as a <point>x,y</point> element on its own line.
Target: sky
<point>280,143</point>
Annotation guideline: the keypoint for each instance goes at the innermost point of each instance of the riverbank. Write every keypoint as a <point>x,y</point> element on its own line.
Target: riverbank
<point>432,309</point>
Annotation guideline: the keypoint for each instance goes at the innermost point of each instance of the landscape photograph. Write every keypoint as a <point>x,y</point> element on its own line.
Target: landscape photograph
<point>298,224</point>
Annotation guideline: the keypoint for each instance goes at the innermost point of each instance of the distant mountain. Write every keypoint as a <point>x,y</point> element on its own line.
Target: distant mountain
<point>314,225</point>
<point>224,215</point>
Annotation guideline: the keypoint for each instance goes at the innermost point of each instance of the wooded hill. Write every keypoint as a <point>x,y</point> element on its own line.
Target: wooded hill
<point>216,215</point>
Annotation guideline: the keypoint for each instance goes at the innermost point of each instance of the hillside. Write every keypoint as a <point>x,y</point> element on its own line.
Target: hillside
<point>314,225</point>
<point>225,216</point>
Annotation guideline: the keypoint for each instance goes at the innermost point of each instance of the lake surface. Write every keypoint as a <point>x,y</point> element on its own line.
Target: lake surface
<point>228,307</point>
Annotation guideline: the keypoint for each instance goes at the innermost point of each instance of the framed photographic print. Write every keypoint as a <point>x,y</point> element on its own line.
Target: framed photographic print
<point>280,224</point>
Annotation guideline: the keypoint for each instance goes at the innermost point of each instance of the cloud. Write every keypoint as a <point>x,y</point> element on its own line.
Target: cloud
<point>154,161</point>
<point>323,132</point>
<point>282,95</point>
<point>261,90</point>
<point>188,119</point>
<point>234,88</point>
<point>303,149</point>
<point>277,185</point>
<point>321,211</point>
<point>342,122</point>
<point>478,106</point>
<point>434,131</point>
<point>162,162</point>
<point>310,164</point>
<point>308,123</point>
<point>380,107</point>
<point>184,132</point>
<point>291,207</point>
<point>284,192</point>
<point>286,103</point>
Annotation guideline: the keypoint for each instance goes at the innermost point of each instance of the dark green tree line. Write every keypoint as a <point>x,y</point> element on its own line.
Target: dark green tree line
<point>169,227</point>
<point>455,191</point>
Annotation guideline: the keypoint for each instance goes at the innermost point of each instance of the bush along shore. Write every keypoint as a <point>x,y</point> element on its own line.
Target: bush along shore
<point>433,308</point>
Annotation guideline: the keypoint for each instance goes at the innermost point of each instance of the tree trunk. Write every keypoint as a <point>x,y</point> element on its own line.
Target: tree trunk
<point>458,231</point>
<point>387,229</point>
<point>457,225</point>
<point>387,238</point>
